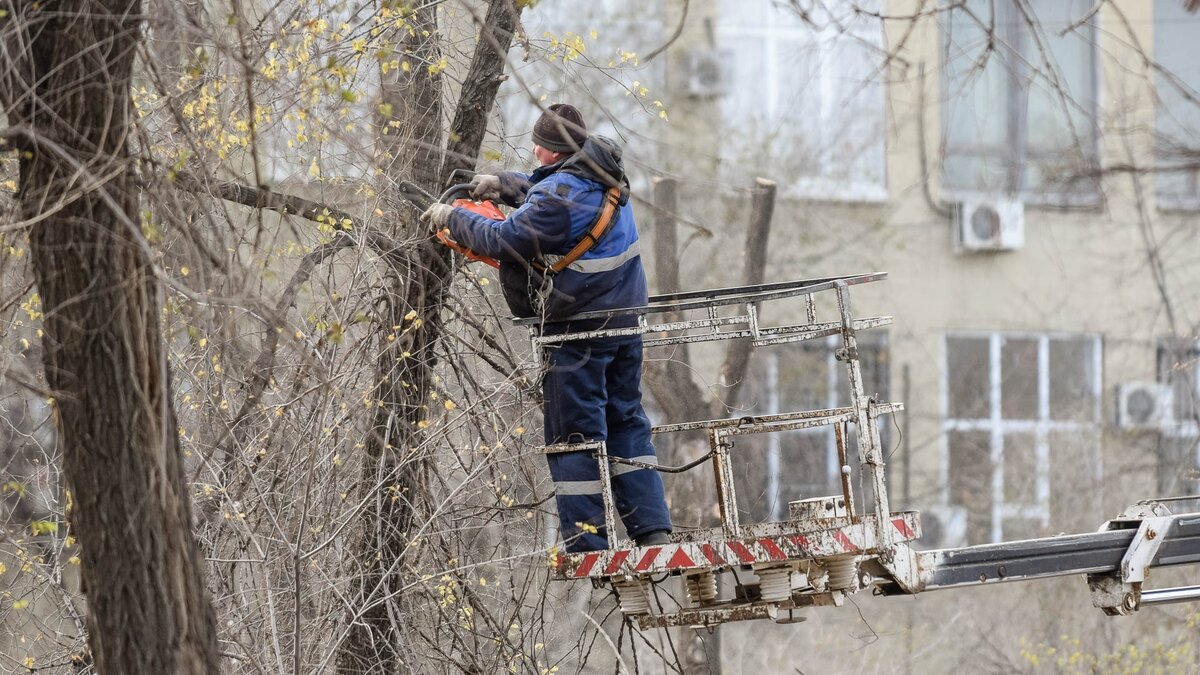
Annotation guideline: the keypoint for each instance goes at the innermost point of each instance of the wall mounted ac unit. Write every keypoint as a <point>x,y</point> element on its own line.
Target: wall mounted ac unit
<point>943,526</point>
<point>1144,405</point>
<point>989,224</point>
<point>707,72</point>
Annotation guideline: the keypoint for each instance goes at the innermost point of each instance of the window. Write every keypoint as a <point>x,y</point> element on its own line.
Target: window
<point>1179,442</point>
<point>774,469</point>
<point>805,96</point>
<point>1019,99</point>
<point>1177,84</point>
<point>1022,431</point>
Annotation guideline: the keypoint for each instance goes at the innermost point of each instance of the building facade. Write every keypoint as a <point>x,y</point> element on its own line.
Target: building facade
<point>1025,171</point>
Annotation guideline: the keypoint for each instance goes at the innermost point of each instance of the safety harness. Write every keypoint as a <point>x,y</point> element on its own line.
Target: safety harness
<point>608,209</point>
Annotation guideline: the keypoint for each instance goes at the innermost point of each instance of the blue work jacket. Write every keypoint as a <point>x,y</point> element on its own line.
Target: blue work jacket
<point>556,205</point>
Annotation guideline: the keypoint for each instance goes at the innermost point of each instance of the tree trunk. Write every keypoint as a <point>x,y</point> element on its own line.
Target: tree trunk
<point>397,462</point>
<point>69,101</point>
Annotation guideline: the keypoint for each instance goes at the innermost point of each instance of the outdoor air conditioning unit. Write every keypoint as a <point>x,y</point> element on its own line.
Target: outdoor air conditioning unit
<point>989,224</point>
<point>707,72</point>
<point>1144,405</point>
<point>943,526</point>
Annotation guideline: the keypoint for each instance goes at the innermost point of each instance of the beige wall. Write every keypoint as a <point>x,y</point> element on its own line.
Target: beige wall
<point>1081,270</point>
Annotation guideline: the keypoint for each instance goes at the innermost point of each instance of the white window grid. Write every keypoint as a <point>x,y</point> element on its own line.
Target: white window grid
<point>578,83</point>
<point>997,426</point>
<point>822,41</point>
<point>1165,11</point>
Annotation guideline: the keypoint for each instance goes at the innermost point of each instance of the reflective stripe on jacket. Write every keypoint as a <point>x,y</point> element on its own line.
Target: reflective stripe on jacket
<point>561,203</point>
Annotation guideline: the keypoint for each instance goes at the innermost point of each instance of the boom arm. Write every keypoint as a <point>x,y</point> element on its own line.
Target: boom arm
<point>1116,560</point>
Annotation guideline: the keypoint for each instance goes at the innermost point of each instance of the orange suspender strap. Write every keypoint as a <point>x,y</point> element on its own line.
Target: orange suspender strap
<point>612,197</point>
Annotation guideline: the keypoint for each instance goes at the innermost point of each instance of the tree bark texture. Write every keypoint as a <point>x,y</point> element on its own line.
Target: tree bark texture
<point>395,468</point>
<point>68,95</point>
<point>480,86</point>
<point>680,398</point>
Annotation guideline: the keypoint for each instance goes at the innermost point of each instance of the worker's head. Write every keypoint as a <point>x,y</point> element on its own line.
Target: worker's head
<point>558,133</point>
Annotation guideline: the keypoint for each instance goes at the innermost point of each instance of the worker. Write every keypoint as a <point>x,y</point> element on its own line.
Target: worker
<point>591,387</point>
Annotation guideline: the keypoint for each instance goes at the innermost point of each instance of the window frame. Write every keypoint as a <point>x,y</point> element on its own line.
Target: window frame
<point>517,115</point>
<point>834,397</point>
<point>1016,118</point>
<point>817,187</point>
<point>997,427</point>
<point>1169,201</point>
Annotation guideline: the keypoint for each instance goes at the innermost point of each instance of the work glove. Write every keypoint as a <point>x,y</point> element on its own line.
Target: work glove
<point>436,216</point>
<point>485,186</point>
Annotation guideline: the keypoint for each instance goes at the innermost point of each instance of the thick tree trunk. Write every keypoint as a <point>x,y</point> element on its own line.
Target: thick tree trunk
<point>70,104</point>
<point>397,464</point>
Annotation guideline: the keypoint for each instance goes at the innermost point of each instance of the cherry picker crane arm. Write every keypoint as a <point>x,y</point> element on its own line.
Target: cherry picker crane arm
<point>827,549</point>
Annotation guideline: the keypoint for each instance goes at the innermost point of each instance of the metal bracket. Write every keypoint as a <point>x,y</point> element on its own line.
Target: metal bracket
<point>1113,596</point>
<point>1143,549</point>
<point>900,562</point>
<point>1120,594</point>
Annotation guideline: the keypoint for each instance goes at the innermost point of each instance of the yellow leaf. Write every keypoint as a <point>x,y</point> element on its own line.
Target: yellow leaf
<point>21,604</point>
<point>450,405</point>
<point>38,527</point>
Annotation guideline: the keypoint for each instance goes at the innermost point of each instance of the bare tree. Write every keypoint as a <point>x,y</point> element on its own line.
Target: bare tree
<point>66,89</point>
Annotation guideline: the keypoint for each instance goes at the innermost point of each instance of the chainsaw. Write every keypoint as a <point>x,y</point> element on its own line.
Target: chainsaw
<point>458,195</point>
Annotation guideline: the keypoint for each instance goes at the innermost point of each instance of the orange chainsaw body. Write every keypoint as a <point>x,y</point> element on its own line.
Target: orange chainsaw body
<point>486,209</point>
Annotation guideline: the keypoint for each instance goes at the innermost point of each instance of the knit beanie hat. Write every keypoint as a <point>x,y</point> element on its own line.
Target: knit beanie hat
<point>560,129</point>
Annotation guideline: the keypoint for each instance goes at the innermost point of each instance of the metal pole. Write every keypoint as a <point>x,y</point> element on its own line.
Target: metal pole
<point>1164,596</point>
<point>606,493</point>
<point>909,619</point>
<point>869,445</point>
<point>723,474</point>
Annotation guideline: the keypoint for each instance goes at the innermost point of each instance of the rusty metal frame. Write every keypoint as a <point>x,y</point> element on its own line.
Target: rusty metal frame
<point>756,543</point>
<point>840,537</point>
<point>748,323</point>
<point>867,548</point>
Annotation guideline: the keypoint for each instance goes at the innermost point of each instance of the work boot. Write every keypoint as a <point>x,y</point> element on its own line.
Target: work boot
<point>655,538</point>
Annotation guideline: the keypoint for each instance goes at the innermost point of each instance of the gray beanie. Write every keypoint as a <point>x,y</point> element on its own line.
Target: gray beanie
<point>560,129</point>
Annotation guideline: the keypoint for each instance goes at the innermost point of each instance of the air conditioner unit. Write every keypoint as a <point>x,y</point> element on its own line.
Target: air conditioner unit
<point>1144,405</point>
<point>707,72</point>
<point>989,224</point>
<point>943,526</point>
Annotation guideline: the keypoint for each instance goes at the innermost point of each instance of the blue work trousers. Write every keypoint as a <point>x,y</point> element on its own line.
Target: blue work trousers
<point>593,392</point>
